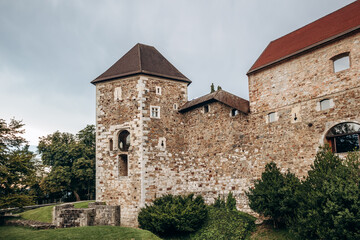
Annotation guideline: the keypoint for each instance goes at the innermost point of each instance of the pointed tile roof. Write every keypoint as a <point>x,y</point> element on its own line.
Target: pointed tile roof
<point>334,25</point>
<point>220,96</point>
<point>142,59</point>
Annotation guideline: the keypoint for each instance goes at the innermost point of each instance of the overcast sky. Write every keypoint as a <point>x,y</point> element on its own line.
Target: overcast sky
<point>50,50</point>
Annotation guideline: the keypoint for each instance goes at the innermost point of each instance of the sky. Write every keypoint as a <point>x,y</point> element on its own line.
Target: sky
<point>50,50</point>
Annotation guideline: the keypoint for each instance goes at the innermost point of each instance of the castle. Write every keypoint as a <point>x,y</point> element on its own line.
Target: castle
<point>304,91</point>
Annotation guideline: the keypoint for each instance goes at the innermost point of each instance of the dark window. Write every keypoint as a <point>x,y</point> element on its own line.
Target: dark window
<point>344,137</point>
<point>111,144</point>
<point>124,141</point>
<point>234,112</point>
<point>123,165</point>
<point>206,108</point>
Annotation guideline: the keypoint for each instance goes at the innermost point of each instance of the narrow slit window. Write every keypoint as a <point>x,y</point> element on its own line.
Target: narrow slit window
<point>341,62</point>
<point>206,108</point>
<point>123,165</point>
<point>158,90</point>
<point>111,145</point>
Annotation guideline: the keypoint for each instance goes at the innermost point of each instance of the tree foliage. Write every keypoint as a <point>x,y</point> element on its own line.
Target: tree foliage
<point>72,161</point>
<point>17,169</point>
<point>329,198</point>
<point>171,215</point>
<point>273,195</point>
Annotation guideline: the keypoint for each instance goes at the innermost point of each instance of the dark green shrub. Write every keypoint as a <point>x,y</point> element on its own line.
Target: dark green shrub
<point>273,195</point>
<point>329,199</point>
<point>171,215</point>
<point>229,203</point>
<point>225,224</point>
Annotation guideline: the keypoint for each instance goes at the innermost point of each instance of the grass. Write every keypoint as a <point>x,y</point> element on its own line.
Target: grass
<point>89,233</point>
<point>266,232</point>
<point>44,214</point>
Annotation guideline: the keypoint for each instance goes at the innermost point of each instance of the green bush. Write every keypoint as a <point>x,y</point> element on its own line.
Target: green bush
<point>172,215</point>
<point>329,199</point>
<point>225,224</point>
<point>273,195</point>
<point>229,203</point>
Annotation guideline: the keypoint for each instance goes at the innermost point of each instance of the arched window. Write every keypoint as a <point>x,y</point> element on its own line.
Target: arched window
<point>344,137</point>
<point>341,62</point>
<point>124,140</point>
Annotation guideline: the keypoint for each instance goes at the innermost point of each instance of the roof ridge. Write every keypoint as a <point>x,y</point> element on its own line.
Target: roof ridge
<point>139,56</point>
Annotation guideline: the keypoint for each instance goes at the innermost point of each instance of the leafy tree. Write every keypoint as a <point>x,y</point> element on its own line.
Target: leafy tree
<point>72,161</point>
<point>329,198</point>
<point>17,170</point>
<point>171,215</point>
<point>273,195</point>
<point>212,88</point>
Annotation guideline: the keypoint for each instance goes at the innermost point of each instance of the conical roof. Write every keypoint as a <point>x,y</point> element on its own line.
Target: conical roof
<point>142,59</point>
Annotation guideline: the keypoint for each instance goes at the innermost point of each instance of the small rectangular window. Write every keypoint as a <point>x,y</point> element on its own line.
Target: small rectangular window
<point>206,108</point>
<point>175,106</point>
<point>341,62</point>
<point>271,117</point>
<point>155,112</point>
<point>325,104</point>
<point>234,112</point>
<point>117,93</point>
<point>123,165</point>
<point>158,90</point>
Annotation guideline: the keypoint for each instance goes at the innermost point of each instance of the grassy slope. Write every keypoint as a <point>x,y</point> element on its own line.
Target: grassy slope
<point>88,233</point>
<point>266,232</point>
<point>44,214</point>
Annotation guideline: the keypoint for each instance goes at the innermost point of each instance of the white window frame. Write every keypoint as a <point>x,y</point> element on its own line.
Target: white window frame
<point>158,90</point>
<point>155,109</point>
<point>117,94</point>
<point>175,106</point>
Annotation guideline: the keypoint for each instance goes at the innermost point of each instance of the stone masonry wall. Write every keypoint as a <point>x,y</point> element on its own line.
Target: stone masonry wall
<point>214,153</point>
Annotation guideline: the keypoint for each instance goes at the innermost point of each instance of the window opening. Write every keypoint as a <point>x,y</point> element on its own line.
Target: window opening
<point>123,165</point>
<point>158,90</point>
<point>271,117</point>
<point>206,108</point>
<point>111,145</point>
<point>175,106</point>
<point>155,112</point>
<point>124,140</point>
<point>234,112</point>
<point>341,62</point>
<point>117,93</point>
<point>325,104</point>
<point>344,137</point>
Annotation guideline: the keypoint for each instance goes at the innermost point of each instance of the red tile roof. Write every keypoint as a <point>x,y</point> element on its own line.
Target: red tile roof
<point>330,27</point>
<point>142,59</point>
<point>220,96</point>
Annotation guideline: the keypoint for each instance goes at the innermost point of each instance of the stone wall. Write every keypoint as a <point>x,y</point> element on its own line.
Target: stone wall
<point>214,153</point>
<point>65,215</point>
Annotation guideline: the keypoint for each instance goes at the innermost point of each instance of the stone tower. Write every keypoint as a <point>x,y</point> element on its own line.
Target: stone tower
<point>137,120</point>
